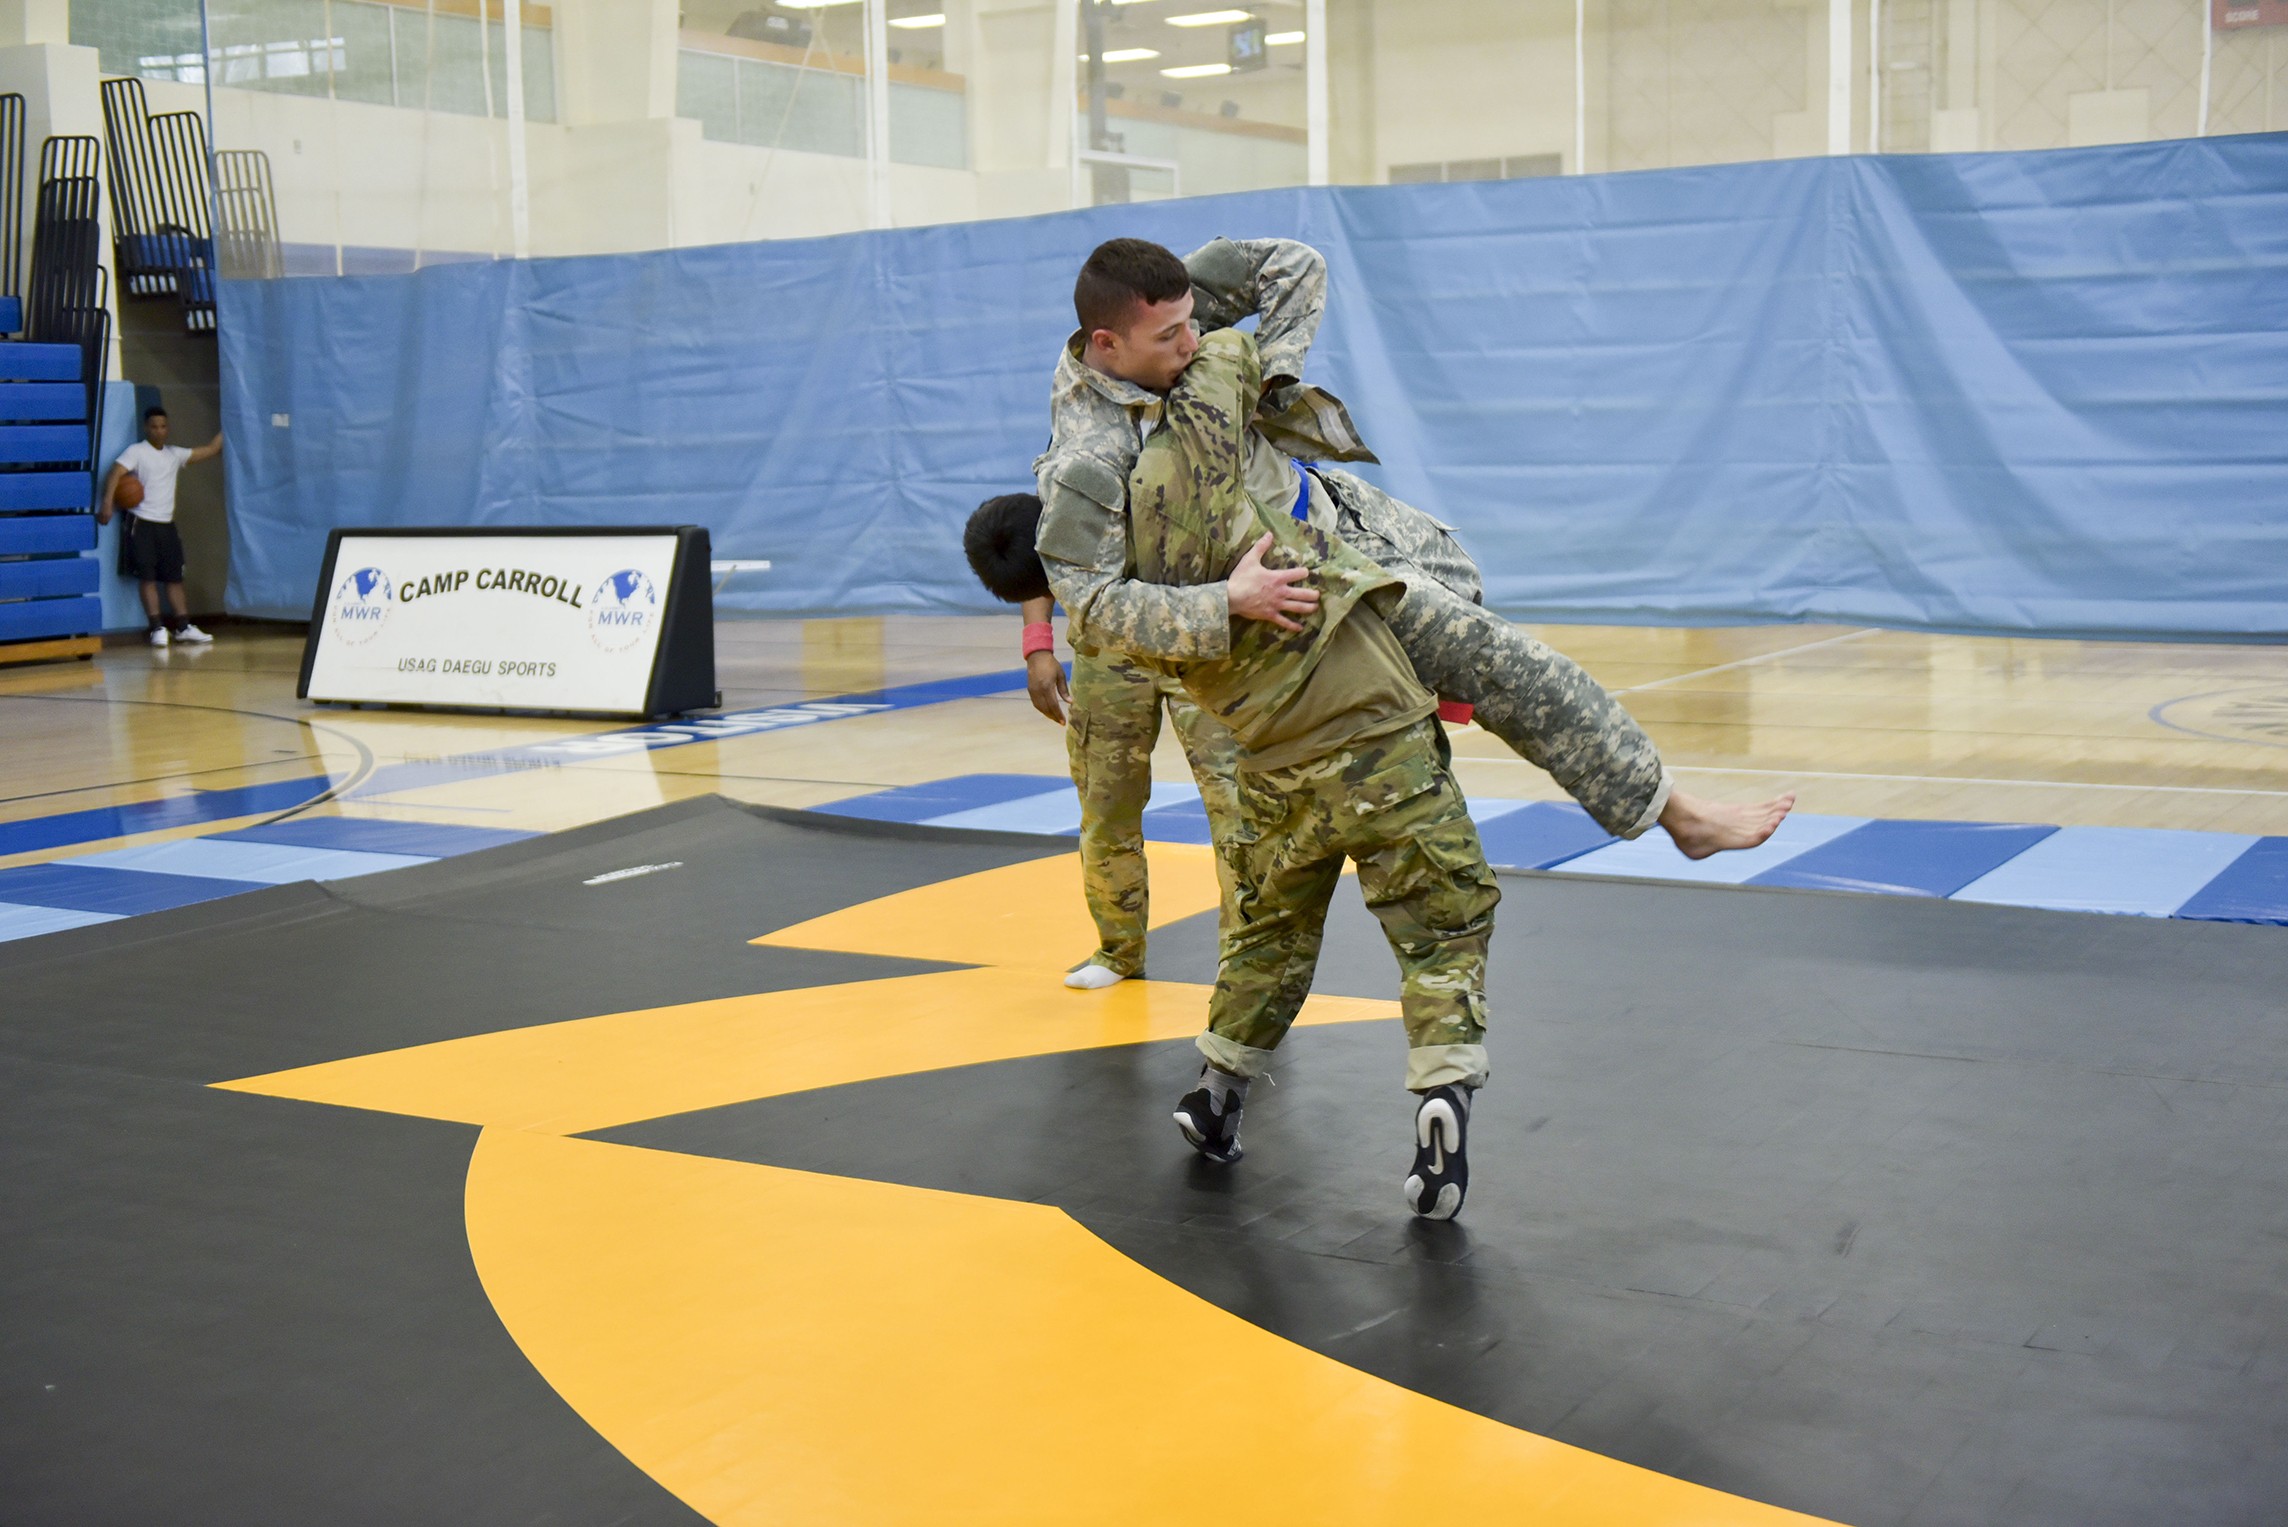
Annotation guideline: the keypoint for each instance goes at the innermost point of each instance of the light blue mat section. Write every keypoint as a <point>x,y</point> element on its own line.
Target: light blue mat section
<point>260,863</point>
<point>2018,392</point>
<point>18,921</point>
<point>1051,812</point>
<point>1168,794</point>
<point>2137,871</point>
<point>959,795</point>
<point>1654,856</point>
<point>377,835</point>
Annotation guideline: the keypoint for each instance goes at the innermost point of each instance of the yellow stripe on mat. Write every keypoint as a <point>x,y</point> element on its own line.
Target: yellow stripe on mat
<point>1030,914</point>
<point>775,1346</point>
<point>592,1073</point>
<point>778,1346</point>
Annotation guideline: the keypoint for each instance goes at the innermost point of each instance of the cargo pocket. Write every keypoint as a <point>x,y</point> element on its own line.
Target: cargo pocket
<point>1393,785</point>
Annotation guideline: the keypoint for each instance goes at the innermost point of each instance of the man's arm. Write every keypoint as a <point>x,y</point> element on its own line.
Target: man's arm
<point>1044,675</point>
<point>1083,543</point>
<point>1280,281</point>
<point>104,505</point>
<point>1209,409</point>
<point>207,452</point>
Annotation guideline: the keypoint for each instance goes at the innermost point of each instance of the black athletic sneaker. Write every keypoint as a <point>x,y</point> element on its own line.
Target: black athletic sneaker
<point>1441,1172</point>
<point>1214,1135</point>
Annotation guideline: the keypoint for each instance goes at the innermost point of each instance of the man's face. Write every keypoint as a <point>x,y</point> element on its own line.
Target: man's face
<point>1158,345</point>
<point>155,429</point>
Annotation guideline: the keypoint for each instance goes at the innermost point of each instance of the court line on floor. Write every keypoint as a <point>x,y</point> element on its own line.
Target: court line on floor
<point>1749,662</point>
<point>161,779</point>
<point>360,771</point>
<point>1943,779</point>
<point>375,784</point>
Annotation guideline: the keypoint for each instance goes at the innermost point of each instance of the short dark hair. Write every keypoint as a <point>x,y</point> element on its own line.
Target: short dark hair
<point>153,412</point>
<point>999,544</point>
<point>1121,273</point>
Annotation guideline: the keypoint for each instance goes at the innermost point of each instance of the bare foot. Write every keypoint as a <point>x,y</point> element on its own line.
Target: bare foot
<point>1703,827</point>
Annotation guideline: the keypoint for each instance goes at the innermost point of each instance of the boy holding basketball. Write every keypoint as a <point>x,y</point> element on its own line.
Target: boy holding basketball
<point>150,545</point>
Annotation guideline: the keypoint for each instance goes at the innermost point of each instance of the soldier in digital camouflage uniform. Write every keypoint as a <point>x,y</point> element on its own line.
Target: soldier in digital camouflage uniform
<point>1533,698</point>
<point>1340,756</point>
<point>1111,711</point>
<point>1110,732</point>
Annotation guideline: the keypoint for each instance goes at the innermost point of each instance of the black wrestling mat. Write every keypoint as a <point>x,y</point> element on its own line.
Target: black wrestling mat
<point>223,1308</point>
<point>1884,1210</point>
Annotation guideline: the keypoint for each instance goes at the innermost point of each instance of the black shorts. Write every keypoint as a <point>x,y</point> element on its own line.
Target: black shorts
<point>154,552</point>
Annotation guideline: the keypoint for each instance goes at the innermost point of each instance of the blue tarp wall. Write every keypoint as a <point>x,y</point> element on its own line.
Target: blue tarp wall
<point>2011,392</point>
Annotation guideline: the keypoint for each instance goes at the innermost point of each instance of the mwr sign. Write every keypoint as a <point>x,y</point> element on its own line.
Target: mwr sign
<point>599,622</point>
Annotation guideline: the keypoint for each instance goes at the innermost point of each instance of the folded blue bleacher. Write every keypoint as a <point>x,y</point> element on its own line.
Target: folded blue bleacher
<point>49,578</point>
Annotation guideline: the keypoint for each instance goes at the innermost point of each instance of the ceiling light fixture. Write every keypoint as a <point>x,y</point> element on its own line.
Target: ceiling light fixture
<point>1208,18</point>
<point>915,23</point>
<point>1125,55</point>
<point>1196,71</point>
<point>1275,40</point>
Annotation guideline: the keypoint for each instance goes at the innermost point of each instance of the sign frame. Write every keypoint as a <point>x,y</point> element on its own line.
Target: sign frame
<point>683,660</point>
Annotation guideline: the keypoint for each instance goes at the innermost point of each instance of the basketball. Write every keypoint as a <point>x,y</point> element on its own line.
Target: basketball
<point>129,493</point>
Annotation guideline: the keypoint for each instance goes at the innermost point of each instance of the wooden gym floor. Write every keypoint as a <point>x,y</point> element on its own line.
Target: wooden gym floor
<point>1860,722</point>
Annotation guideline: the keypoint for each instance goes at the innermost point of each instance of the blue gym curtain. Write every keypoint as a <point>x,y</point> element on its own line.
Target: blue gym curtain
<point>2011,392</point>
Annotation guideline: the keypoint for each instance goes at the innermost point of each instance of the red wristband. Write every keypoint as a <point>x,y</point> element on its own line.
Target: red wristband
<point>1040,636</point>
<point>1455,712</point>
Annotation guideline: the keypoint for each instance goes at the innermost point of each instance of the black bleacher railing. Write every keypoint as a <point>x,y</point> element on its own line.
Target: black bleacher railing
<point>69,294</point>
<point>49,586</point>
<point>11,211</point>
<point>246,207</point>
<point>51,396</point>
<point>165,242</point>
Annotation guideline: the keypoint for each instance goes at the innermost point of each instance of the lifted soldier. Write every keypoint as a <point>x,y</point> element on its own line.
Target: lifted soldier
<point>1340,757</point>
<point>1111,716</point>
<point>1137,305</point>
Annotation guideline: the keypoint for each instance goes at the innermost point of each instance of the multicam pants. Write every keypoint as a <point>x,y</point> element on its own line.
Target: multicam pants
<point>1392,806</point>
<point>1531,696</point>
<point>1110,732</point>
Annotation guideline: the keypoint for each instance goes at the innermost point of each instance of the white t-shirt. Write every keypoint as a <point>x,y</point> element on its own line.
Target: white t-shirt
<point>156,467</point>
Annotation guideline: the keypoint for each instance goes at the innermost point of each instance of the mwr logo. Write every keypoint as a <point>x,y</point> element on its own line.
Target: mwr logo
<point>362,604</point>
<point>625,606</point>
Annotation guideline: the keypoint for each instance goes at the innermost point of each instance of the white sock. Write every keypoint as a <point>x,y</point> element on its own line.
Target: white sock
<point>1094,977</point>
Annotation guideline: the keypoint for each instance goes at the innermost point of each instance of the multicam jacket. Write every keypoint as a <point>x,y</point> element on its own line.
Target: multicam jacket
<point>1099,423</point>
<point>1192,518</point>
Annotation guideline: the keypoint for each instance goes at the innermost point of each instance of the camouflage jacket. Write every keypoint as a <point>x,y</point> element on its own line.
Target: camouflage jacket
<point>1097,432</point>
<point>1192,518</point>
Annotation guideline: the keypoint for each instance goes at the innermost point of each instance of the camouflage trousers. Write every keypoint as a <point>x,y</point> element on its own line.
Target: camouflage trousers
<point>1531,696</point>
<point>1110,731</point>
<point>1391,806</point>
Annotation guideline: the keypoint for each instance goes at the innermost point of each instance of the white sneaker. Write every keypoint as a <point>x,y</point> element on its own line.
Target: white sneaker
<point>193,635</point>
<point>158,636</point>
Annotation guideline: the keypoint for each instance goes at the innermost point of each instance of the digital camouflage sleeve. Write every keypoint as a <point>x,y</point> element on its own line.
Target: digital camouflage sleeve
<point>1097,423</point>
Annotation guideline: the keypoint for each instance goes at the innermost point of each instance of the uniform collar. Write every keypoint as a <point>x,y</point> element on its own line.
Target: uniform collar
<point>1073,372</point>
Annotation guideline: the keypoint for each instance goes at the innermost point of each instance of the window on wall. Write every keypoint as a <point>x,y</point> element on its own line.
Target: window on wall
<point>766,103</point>
<point>409,55</point>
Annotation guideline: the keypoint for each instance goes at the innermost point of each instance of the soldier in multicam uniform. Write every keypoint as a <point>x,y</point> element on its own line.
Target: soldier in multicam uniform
<point>1340,756</point>
<point>1111,714</point>
<point>1108,396</point>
